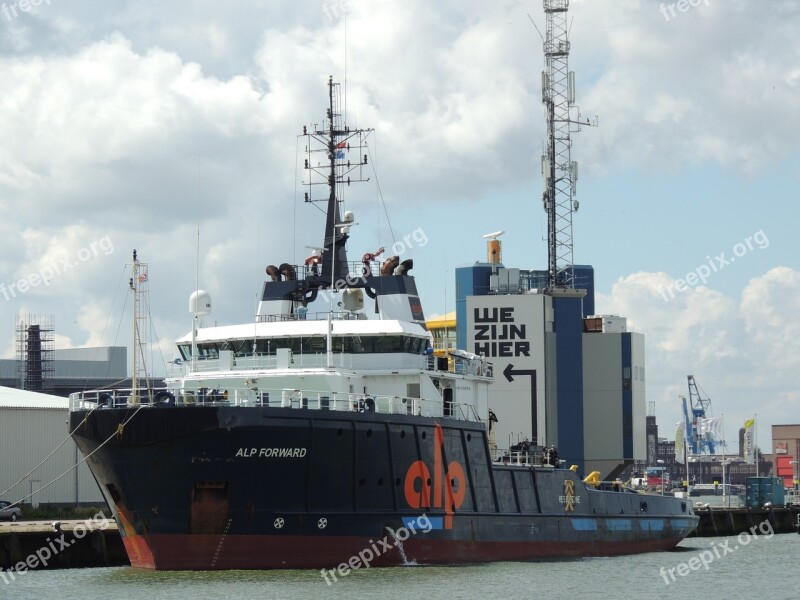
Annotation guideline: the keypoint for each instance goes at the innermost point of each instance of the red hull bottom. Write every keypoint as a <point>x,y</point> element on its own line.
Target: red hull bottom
<point>212,552</point>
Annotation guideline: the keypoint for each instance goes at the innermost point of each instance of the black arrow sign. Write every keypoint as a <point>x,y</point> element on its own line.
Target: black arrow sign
<point>509,374</point>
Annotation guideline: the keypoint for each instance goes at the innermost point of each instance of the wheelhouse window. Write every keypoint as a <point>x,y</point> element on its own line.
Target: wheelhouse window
<point>355,344</point>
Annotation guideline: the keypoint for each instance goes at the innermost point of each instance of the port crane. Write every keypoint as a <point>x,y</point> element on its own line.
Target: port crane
<point>701,429</point>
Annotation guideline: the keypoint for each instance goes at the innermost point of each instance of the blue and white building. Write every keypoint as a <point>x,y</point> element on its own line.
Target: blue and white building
<point>563,376</point>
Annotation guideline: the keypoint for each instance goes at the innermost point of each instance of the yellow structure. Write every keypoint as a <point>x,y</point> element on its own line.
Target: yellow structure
<point>593,478</point>
<point>443,330</point>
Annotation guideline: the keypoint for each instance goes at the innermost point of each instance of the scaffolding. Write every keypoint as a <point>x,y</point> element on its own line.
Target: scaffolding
<point>35,343</point>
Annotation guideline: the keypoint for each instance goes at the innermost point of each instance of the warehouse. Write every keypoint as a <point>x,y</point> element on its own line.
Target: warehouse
<point>31,427</point>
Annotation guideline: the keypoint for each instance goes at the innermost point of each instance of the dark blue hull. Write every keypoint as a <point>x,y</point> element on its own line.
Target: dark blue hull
<point>218,487</point>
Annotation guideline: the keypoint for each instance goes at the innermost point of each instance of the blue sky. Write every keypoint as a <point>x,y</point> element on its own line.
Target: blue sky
<point>124,121</point>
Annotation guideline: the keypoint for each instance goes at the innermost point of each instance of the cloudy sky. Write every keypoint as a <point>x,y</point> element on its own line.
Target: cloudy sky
<point>124,124</point>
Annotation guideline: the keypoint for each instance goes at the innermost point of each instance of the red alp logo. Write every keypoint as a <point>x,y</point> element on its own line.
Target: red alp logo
<point>422,492</point>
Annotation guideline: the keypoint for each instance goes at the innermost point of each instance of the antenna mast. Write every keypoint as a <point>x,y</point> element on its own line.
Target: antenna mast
<point>334,157</point>
<point>138,285</point>
<point>559,171</point>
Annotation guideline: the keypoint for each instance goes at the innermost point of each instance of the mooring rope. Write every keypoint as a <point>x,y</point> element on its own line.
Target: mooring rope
<point>117,431</point>
<point>46,458</point>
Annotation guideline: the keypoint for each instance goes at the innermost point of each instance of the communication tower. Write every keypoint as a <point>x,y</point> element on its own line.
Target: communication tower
<point>559,171</point>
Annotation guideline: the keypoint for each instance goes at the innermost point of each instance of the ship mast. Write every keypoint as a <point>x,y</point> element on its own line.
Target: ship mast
<point>339,143</point>
<point>343,164</point>
<point>138,285</point>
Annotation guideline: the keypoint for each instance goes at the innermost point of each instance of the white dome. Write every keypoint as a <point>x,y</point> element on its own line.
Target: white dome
<point>200,303</point>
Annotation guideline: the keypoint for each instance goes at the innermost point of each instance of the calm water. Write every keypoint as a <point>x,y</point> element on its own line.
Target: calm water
<point>765,568</point>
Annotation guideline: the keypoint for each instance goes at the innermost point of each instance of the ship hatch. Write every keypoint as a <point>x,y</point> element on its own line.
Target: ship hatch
<point>209,507</point>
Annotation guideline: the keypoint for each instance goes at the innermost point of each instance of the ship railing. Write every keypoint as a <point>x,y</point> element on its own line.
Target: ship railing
<point>277,398</point>
<point>118,397</point>
<point>315,316</point>
<point>534,456</point>
<point>460,366</point>
<point>348,402</point>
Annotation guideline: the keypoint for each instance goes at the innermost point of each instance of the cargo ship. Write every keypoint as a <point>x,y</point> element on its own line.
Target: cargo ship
<point>303,439</point>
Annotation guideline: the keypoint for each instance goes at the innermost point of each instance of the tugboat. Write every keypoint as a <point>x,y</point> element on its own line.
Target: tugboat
<point>305,439</point>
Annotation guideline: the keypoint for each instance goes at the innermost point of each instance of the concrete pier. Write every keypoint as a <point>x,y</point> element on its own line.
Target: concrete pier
<point>33,545</point>
<point>722,521</point>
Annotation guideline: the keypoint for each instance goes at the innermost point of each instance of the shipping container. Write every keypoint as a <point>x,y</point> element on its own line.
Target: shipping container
<point>760,490</point>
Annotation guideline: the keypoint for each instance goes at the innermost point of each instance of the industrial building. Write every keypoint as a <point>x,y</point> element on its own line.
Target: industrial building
<point>33,425</point>
<point>563,376</point>
<point>70,370</point>
<point>786,450</point>
<point>34,388</point>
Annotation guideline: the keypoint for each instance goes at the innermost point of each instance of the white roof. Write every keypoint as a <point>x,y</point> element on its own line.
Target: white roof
<point>14,398</point>
<point>278,329</point>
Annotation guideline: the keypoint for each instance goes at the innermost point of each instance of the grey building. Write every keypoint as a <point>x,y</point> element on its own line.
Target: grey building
<point>77,369</point>
<point>31,427</point>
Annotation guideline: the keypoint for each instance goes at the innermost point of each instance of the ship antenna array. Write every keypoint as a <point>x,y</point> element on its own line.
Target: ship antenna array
<point>335,156</point>
<point>559,171</point>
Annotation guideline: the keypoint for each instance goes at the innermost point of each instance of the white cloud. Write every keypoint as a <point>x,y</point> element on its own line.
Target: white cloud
<point>744,352</point>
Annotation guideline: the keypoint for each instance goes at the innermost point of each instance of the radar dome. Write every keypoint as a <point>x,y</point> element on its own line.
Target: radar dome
<point>200,303</point>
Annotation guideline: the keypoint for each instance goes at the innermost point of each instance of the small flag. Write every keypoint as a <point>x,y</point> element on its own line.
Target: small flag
<point>680,446</point>
<point>748,450</point>
<point>142,277</point>
<point>339,155</point>
<point>341,145</point>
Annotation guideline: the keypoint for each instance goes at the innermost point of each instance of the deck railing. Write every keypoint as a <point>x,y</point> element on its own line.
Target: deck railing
<point>278,398</point>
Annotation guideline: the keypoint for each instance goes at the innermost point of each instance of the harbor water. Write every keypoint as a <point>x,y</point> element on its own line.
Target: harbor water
<point>750,565</point>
